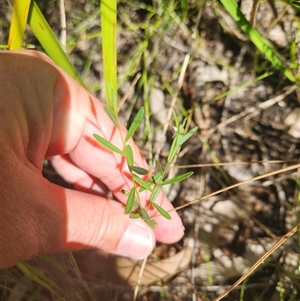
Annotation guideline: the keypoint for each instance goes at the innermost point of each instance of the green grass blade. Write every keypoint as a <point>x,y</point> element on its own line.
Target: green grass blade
<point>108,145</point>
<point>39,277</point>
<point>18,24</point>
<point>135,123</point>
<point>293,3</point>
<point>48,40</point>
<point>257,39</point>
<point>109,50</point>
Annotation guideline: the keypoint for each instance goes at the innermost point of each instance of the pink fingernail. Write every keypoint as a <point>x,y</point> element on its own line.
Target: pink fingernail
<point>137,242</point>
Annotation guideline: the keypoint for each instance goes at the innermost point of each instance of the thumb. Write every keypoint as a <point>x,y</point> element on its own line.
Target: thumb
<point>42,218</point>
<point>96,222</point>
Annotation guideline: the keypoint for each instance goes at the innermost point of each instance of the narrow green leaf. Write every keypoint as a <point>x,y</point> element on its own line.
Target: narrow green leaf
<point>18,24</point>
<point>48,40</point>
<point>162,211</point>
<point>130,200</point>
<point>108,145</point>
<point>153,180</point>
<point>139,170</point>
<point>179,139</point>
<point>151,223</point>
<point>188,135</point>
<point>155,193</point>
<point>141,182</point>
<point>173,149</point>
<point>147,219</point>
<point>177,179</point>
<point>135,215</point>
<point>129,156</point>
<point>156,178</point>
<point>111,116</point>
<point>175,119</point>
<point>135,123</point>
<point>181,127</point>
<point>144,214</point>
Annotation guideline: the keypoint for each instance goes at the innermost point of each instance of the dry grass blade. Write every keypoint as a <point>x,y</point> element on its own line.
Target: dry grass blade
<point>269,174</point>
<point>281,241</point>
<point>136,290</point>
<point>132,85</point>
<point>254,13</point>
<point>63,22</point>
<point>234,163</point>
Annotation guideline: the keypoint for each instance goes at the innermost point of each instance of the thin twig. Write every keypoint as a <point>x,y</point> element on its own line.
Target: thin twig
<point>63,25</point>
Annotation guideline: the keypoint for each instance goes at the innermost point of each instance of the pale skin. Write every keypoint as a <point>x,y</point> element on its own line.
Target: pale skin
<point>44,113</point>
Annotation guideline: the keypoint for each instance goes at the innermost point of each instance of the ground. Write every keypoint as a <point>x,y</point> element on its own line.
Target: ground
<point>191,56</point>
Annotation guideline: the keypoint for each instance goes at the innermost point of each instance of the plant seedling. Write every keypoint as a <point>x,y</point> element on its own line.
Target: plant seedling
<point>154,185</point>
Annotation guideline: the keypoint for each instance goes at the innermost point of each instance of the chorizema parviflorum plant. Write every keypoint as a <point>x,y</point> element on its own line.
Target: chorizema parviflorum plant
<point>134,206</point>
<point>154,185</point>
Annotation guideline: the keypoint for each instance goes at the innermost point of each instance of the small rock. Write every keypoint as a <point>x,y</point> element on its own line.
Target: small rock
<point>293,122</point>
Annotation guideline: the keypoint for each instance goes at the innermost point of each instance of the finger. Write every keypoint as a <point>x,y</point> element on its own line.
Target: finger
<point>80,179</point>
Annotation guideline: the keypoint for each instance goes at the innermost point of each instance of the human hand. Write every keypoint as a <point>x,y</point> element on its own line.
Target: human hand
<point>45,113</point>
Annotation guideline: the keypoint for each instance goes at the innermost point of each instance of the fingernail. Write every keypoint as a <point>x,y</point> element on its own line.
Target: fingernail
<point>137,242</point>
